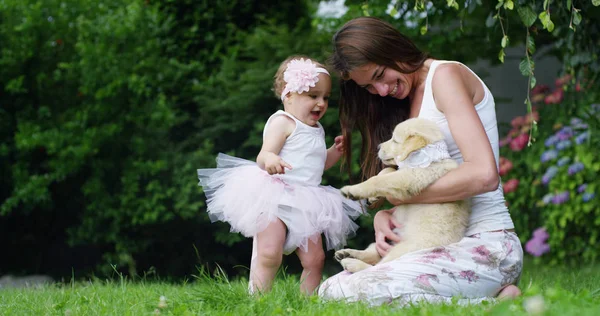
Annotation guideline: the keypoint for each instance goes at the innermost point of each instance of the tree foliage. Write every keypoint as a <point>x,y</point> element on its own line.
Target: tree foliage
<point>108,109</point>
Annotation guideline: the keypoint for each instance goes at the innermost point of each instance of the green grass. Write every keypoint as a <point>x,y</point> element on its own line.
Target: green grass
<point>565,291</point>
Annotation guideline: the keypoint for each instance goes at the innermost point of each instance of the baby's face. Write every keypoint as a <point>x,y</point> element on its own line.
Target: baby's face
<point>309,107</point>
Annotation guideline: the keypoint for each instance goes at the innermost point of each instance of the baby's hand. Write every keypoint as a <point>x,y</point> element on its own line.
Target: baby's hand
<point>339,143</point>
<point>275,165</point>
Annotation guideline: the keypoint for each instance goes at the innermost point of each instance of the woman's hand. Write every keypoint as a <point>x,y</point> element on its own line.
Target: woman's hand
<point>395,201</point>
<point>383,224</point>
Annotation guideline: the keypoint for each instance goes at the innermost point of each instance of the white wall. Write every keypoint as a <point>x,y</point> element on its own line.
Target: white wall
<point>507,84</point>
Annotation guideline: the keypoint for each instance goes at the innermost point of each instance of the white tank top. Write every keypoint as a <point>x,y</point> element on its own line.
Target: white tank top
<point>489,211</point>
<point>304,150</point>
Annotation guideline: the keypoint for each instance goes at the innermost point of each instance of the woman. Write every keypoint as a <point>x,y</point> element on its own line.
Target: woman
<point>387,79</point>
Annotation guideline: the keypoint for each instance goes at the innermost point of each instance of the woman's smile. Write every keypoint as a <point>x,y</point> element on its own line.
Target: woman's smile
<point>379,80</point>
<point>394,90</point>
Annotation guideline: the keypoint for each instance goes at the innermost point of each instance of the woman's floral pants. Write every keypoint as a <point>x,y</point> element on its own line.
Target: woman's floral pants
<point>474,269</point>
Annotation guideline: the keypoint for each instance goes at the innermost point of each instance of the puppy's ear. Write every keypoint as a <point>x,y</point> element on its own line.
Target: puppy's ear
<point>412,143</point>
<point>424,128</point>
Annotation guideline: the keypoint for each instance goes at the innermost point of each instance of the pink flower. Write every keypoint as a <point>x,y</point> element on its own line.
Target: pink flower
<point>537,98</point>
<point>555,97</point>
<point>505,166</point>
<point>534,116</point>
<point>424,278</point>
<point>519,142</point>
<point>537,245</point>
<point>469,275</point>
<point>436,253</point>
<point>510,185</point>
<point>514,132</point>
<point>301,75</point>
<point>517,121</point>
<point>540,88</point>
<point>423,282</point>
<point>562,81</point>
<point>480,251</point>
<point>505,141</point>
<point>541,233</point>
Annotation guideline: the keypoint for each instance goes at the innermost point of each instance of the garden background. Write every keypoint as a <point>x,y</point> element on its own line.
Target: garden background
<point>107,108</point>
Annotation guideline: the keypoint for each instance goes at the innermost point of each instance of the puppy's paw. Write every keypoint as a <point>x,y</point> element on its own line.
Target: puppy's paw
<point>346,192</point>
<point>355,192</point>
<point>354,265</point>
<point>372,200</point>
<point>344,253</point>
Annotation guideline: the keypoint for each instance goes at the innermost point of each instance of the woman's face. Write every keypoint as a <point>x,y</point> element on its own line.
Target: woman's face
<point>382,80</point>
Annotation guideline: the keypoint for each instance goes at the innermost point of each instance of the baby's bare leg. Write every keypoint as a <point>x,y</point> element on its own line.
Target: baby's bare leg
<point>269,253</point>
<point>312,262</point>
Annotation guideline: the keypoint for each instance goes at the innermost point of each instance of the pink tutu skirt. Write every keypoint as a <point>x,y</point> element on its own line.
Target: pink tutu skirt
<point>248,198</point>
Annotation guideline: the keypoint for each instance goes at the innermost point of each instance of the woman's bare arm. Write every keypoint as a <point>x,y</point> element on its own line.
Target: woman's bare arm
<point>478,173</point>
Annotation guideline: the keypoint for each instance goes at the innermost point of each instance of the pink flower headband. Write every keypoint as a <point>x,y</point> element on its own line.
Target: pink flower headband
<point>300,75</point>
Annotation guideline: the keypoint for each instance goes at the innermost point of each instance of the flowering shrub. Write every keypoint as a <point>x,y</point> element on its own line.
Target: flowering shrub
<point>537,245</point>
<point>551,187</point>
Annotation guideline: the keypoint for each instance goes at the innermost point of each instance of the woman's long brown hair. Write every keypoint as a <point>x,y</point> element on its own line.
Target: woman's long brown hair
<point>359,42</point>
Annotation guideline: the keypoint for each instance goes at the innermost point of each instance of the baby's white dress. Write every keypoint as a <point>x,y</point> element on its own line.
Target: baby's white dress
<point>248,198</point>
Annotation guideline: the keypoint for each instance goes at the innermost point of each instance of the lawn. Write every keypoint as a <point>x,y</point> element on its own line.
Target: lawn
<point>559,291</point>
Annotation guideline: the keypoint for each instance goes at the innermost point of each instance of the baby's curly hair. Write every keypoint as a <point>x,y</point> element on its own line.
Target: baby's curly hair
<point>278,83</point>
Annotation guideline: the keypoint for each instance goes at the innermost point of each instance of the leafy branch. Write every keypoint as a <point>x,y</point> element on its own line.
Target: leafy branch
<point>527,65</point>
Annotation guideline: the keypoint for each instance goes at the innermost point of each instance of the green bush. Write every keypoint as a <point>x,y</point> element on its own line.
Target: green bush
<point>88,142</point>
<point>108,108</point>
<point>553,183</point>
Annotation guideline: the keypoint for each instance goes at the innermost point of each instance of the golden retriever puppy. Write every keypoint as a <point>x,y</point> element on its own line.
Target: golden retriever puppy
<point>420,156</point>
